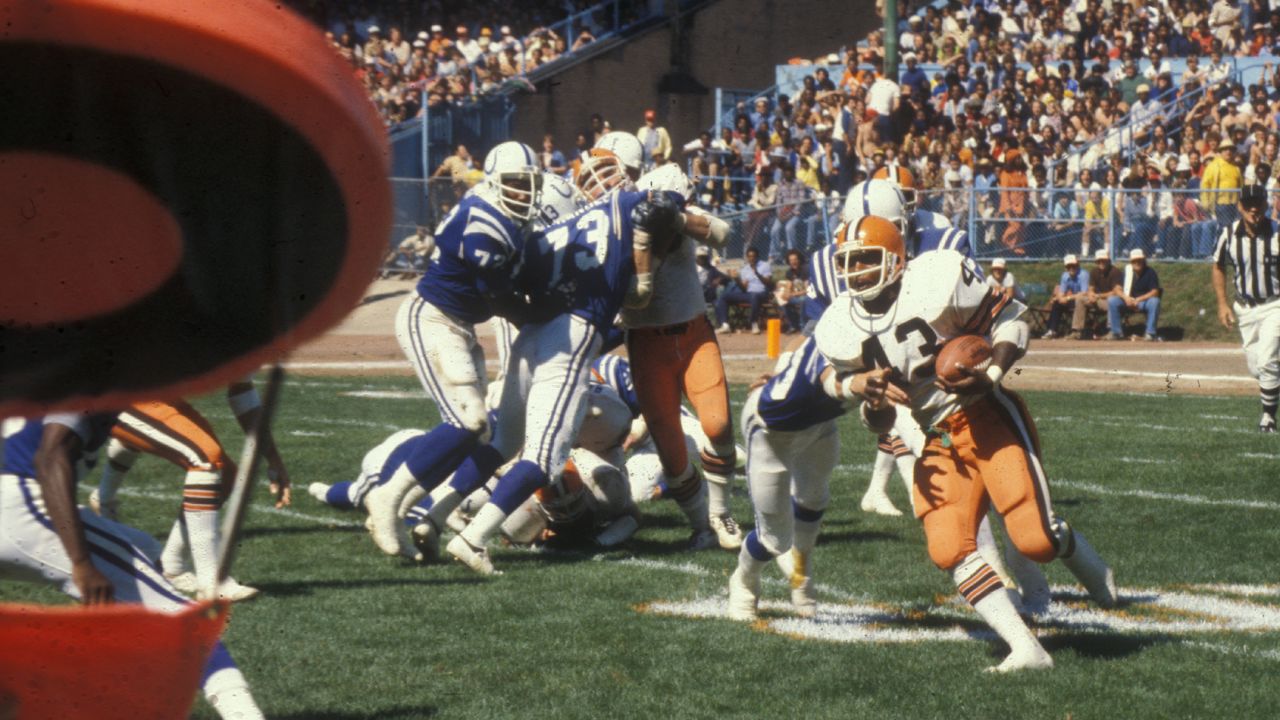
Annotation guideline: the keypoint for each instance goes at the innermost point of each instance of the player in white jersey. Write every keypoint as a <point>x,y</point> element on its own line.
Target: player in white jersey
<point>45,538</point>
<point>884,198</point>
<point>673,352</point>
<point>469,280</point>
<point>881,338</point>
<point>793,445</point>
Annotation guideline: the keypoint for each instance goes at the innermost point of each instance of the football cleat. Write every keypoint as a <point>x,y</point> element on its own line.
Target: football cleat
<point>183,582</point>
<point>426,538</point>
<point>1035,658</point>
<point>728,534</point>
<point>473,557</point>
<point>703,539</point>
<point>880,504</point>
<point>1266,425</point>
<point>744,596</point>
<point>232,591</point>
<point>618,531</point>
<point>383,524</point>
<point>318,490</point>
<point>110,509</point>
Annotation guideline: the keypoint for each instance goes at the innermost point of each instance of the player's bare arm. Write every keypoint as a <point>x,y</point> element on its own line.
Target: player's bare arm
<point>55,472</point>
<point>247,406</point>
<point>876,387</point>
<point>1009,344</point>
<point>1225,316</point>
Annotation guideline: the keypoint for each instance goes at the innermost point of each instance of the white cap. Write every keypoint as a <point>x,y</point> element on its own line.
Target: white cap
<point>424,35</point>
<point>437,28</point>
<point>997,263</point>
<point>506,29</point>
<point>1070,260</point>
<point>833,59</point>
<point>1101,254</point>
<point>373,29</point>
<point>419,43</point>
<point>1137,254</point>
<point>909,57</point>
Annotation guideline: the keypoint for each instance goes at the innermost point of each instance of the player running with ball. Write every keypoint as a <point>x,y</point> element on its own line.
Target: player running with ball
<point>882,338</point>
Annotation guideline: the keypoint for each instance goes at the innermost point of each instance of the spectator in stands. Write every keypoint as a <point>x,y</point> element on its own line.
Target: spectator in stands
<point>1001,278</point>
<point>792,292</point>
<point>468,46</point>
<point>373,47</point>
<point>1104,283</point>
<point>763,197</point>
<point>709,276</point>
<point>551,159</point>
<point>1065,217</point>
<point>1070,290</point>
<point>411,255</point>
<point>790,194</point>
<point>654,138</point>
<point>1013,201</point>
<point>1221,173</point>
<point>1140,291</point>
<point>751,285</point>
<point>457,167</point>
<point>585,38</point>
<point>882,100</point>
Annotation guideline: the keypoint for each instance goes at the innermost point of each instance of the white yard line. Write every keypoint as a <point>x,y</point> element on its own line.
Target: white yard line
<point>176,497</point>
<point>1166,351</point>
<point>1167,376</point>
<point>350,365</point>
<point>1169,497</point>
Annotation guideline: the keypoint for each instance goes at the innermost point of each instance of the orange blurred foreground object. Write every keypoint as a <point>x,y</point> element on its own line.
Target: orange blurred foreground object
<point>117,661</point>
<point>193,188</point>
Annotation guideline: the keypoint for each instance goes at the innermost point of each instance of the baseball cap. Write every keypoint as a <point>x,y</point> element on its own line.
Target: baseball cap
<point>1070,260</point>
<point>424,35</point>
<point>1226,144</point>
<point>419,43</point>
<point>1101,254</point>
<point>1253,194</point>
<point>437,29</point>
<point>486,32</point>
<point>1137,254</point>
<point>997,263</point>
<point>462,30</point>
<point>1144,88</point>
<point>373,29</point>
<point>506,29</point>
<point>909,57</point>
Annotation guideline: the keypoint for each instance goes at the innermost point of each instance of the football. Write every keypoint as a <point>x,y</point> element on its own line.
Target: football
<point>970,350</point>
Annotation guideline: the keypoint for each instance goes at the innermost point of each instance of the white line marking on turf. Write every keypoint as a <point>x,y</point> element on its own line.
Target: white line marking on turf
<point>1169,376</point>
<point>1171,497</point>
<point>1234,650</point>
<point>309,433</point>
<point>1233,589</point>
<point>1183,352</point>
<point>387,394</point>
<point>349,365</point>
<point>1262,456</point>
<point>269,509</point>
<point>1144,461</point>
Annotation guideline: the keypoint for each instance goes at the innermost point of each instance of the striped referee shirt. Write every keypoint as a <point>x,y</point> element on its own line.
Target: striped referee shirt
<point>1255,260</point>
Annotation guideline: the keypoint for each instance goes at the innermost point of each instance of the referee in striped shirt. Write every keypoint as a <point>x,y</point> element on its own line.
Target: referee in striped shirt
<point>1250,246</point>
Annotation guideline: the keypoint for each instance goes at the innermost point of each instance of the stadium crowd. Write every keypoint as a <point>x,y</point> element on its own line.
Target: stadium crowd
<point>443,51</point>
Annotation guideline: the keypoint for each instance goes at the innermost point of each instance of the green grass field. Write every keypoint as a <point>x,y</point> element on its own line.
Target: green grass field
<point>1178,493</point>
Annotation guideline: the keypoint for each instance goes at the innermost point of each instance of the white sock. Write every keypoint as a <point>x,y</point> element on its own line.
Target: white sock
<point>989,550</point>
<point>692,499</point>
<point>717,468</point>
<point>228,693</point>
<point>444,500</point>
<point>980,585</point>
<point>173,559</point>
<point>411,498</point>
<point>119,460</point>
<point>1026,572</point>
<point>907,469</point>
<point>880,473</point>
<point>717,495</point>
<point>202,532</point>
<point>484,526</point>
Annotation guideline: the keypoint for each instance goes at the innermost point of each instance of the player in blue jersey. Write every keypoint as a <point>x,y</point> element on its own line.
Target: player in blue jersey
<point>469,280</point>
<point>577,274</point>
<point>45,537</point>
<point>792,447</point>
<point>378,465</point>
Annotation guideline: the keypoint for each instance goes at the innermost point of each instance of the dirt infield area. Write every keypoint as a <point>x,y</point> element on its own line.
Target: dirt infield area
<point>365,344</point>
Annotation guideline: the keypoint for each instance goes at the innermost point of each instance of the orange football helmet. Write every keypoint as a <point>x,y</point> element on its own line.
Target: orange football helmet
<point>869,257</point>
<point>601,172</point>
<point>902,177</point>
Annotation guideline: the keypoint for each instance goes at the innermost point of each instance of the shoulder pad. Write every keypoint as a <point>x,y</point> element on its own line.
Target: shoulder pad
<point>839,340</point>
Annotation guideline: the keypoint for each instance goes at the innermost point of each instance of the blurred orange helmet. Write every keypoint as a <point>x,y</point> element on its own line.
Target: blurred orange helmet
<point>870,256</point>
<point>902,177</point>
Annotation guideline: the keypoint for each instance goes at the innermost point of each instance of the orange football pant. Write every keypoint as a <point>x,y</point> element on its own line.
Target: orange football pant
<point>177,432</point>
<point>673,360</point>
<point>985,454</point>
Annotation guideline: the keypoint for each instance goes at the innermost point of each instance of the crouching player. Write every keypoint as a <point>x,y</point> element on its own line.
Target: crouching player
<point>792,447</point>
<point>44,537</point>
<point>982,446</point>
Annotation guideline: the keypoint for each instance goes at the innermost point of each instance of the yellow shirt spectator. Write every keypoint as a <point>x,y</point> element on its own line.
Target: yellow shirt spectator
<point>1220,174</point>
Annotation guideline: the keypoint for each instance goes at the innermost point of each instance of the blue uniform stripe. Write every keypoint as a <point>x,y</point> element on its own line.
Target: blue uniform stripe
<point>577,360</point>
<point>866,198</point>
<point>804,514</point>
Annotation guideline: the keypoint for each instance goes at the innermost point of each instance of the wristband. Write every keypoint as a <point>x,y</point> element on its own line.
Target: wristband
<point>846,389</point>
<point>996,373</point>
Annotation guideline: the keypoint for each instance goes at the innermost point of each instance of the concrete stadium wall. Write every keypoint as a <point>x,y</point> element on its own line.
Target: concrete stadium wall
<point>730,44</point>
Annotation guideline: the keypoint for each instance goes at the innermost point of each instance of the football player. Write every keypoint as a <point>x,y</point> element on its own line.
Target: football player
<point>578,274</point>
<point>44,537</point>
<point>614,163</point>
<point>793,445</point>
<point>673,352</point>
<point>469,280</point>
<point>881,338</point>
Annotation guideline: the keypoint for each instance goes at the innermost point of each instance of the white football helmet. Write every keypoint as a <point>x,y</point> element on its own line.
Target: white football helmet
<point>559,200</point>
<point>667,178</point>
<point>906,182</point>
<point>880,198</point>
<point>614,162</point>
<point>511,173</point>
